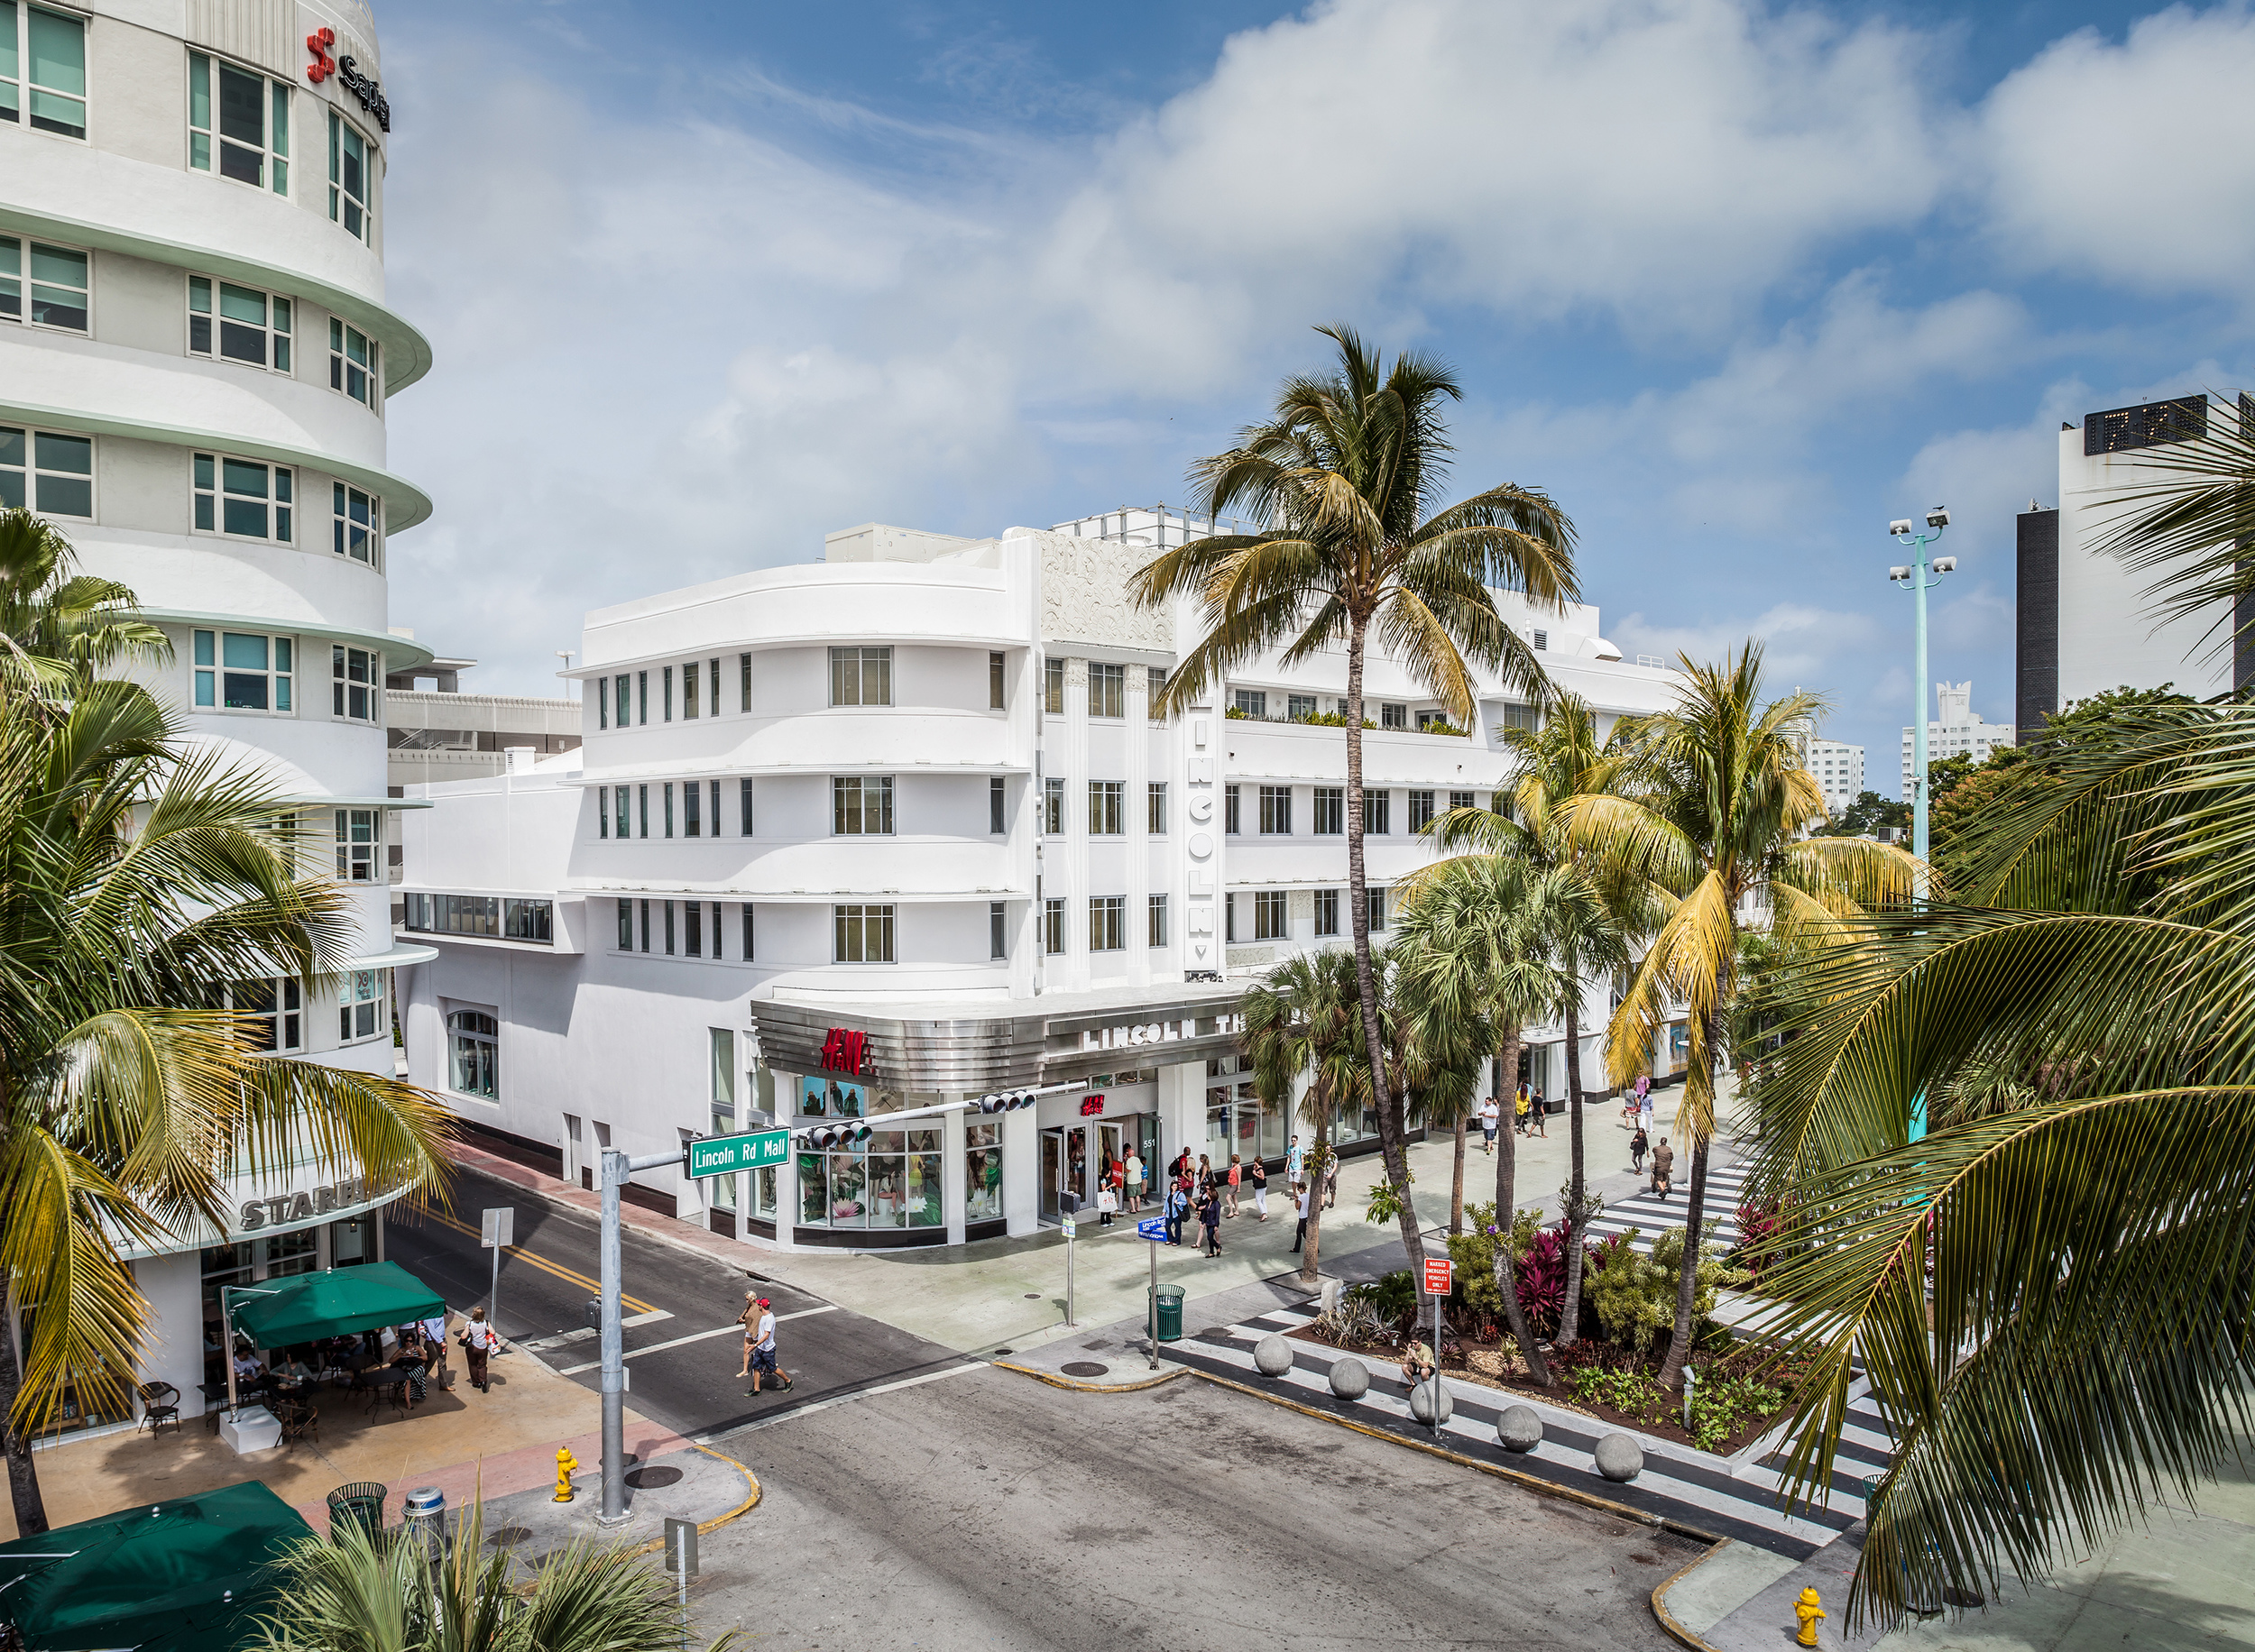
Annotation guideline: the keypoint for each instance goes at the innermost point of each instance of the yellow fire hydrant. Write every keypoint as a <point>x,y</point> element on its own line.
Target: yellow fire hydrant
<point>1807,1610</point>
<point>566,1463</point>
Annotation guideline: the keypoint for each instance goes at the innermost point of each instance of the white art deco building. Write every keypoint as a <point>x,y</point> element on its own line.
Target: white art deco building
<point>195,361</point>
<point>884,831</point>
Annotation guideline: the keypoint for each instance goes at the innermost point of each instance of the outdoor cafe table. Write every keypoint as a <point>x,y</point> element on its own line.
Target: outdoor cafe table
<point>384,1382</point>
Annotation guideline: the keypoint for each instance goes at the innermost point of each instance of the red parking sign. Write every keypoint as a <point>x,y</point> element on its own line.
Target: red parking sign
<point>1437,1278</point>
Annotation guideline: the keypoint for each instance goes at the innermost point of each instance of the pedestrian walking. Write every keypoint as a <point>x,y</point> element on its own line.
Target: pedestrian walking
<point>1491,1116</point>
<point>1306,1191</point>
<point>1236,1179</point>
<point>1107,1191</point>
<point>1259,1179</point>
<point>1663,1169</point>
<point>1639,1145</point>
<point>1210,1215</point>
<point>1330,1182</point>
<point>1177,1203</point>
<point>763,1350</point>
<point>1541,1111</point>
<point>1293,1160</point>
<point>478,1343</point>
<point>1205,1174</point>
<point>1519,1104</point>
<point>749,1318</point>
<point>1645,1105</point>
<point>1135,1181</point>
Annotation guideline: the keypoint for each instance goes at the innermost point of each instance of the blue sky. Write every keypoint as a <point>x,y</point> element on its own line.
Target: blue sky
<point>1736,283</point>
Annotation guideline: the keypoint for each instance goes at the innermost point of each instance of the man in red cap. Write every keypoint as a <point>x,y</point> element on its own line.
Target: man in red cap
<point>758,1322</point>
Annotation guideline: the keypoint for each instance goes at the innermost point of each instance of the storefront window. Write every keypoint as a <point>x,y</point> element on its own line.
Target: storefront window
<point>983,1172</point>
<point>822,1095</point>
<point>1238,1121</point>
<point>763,1193</point>
<point>287,1254</point>
<point>890,1180</point>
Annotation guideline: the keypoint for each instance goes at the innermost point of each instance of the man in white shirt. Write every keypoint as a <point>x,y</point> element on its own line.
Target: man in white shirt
<point>763,1351</point>
<point>1491,1116</point>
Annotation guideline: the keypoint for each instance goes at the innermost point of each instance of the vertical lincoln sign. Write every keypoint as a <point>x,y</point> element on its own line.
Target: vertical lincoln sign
<point>845,1051</point>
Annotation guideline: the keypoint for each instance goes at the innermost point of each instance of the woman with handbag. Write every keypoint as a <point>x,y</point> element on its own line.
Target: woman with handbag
<point>479,1342</point>
<point>1259,1173</point>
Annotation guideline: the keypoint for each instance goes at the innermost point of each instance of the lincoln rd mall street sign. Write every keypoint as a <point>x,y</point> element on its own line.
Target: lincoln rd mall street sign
<point>721,1155</point>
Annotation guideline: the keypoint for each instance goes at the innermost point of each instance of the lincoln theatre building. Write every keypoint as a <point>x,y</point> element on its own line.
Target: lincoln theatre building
<point>880,833</point>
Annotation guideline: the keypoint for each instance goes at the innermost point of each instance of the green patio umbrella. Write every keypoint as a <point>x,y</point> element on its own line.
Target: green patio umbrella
<point>184,1577</point>
<point>298,1309</point>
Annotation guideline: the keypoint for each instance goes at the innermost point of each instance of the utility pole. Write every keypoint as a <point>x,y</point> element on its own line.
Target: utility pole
<point>616,1168</point>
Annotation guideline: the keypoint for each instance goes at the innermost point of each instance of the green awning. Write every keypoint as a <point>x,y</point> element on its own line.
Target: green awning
<point>295,1310</point>
<point>186,1577</point>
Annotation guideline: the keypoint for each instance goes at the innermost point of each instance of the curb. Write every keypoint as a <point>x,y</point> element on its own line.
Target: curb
<point>1078,1387</point>
<point>714,1524</point>
<point>1659,1606</point>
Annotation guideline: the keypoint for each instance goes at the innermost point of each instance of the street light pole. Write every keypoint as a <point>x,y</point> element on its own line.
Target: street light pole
<point>1919,577</point>
<point>616,1168</point>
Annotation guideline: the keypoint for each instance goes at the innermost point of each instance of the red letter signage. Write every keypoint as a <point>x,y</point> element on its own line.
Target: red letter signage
<point>323,65</point>
<point>843,1050</point>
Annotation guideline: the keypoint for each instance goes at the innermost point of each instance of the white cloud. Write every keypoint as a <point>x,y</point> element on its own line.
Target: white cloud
<point>1801,642</point>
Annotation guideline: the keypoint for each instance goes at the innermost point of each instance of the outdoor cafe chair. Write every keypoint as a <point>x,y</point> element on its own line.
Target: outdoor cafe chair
<point>159,1405</point>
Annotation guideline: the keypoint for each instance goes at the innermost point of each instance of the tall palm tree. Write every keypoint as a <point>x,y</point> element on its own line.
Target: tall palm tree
<point>58,625</point>
<point>1711,811</point>
<point>1439,1053</point>
<point>1346,478</point>
<point>1302,1019</point>
<point>1471,946</point>
<point>1560,760</point>
<point>356,1594</point>
<point>136,881</point>
<point>2052,1292</point>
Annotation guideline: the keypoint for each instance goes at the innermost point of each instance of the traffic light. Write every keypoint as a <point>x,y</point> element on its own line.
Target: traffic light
<point>832,1135</point>
<point>1007,1101</point>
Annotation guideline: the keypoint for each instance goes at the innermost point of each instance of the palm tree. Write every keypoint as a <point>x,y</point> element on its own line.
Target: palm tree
<point>1472,945</point>
<point>1711,810</point>
<point>136,881</point>
<point>1561,760</point>
<point>1439,1055</point>
<point>56,625</point>
<point>1346,478</point>
<point>1301,1019</point>
<point>362,1594</point>
<point>2050,1291</point>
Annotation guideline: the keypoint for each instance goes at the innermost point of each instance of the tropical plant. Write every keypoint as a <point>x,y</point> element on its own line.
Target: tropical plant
<point>1711,809</point>
<point>1301,1019</point>
<point>1634,1294</point>
<point>2052,1292</point>
<point>58,625</point>
<point>1560,759</point>
<point>138,880</point>
<point>1346,478</point>
<point>1441,1055</point>
<point>399,1594</point>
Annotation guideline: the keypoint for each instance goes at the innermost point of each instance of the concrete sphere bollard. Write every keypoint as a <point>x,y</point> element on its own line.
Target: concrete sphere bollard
<point>1519,1429</point>
<point>1421,1403</point>
<point>1619,1457</point>
<point>1272,1356</point>
<point>1350,1378</point>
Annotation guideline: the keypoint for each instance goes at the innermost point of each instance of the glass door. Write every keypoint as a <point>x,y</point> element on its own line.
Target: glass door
<point>1052,1173</point>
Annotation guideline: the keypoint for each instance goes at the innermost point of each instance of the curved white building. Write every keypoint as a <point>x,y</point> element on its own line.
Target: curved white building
<point>195,361</point>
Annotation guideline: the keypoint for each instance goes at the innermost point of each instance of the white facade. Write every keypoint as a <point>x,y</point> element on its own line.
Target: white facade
<point>1957,731</point>
<point>196,358</point>
<point>914,792</point>
<point>1838,769</point>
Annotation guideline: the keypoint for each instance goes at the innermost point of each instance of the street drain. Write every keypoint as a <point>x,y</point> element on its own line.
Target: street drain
<point>1032,1296</point>
<point>998,1353</point>
<point>1085,1368</point>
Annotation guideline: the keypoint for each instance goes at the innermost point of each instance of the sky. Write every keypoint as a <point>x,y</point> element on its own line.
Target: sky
<point>1736,283</point>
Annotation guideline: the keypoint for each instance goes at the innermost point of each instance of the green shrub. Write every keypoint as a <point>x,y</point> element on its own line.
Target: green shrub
<point>1630,1392</point>
<point>1634,1294</point>
<point>1394,1297</point>
<point>1721,1405</point>
<point>1474,1254</point>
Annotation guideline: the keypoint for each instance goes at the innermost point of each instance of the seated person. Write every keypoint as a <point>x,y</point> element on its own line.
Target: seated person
<point>1417,1364</point>
<point>293,1376</point>
<point>409,1359</point>
<point>249,1376</point>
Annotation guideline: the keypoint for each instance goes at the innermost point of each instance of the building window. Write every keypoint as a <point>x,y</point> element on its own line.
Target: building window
<point>642,697</point>
<point>1542,639</point>
<point>1154,921</point>
<point>243,498</point>
<point>668,790</point>
<point>994,681</point>
<point>1421,811</point>
<point>357,526</point>
<point>1299,706</point>
<point>1277,811</point>
<point>1393,717</point>
<point>1326,912</point>
<point>240,672</point>
<point>743,807</point>
<point>744,682</point>
<point>353,683</point>
<point>1108,691</point>
<point>254,125</point>
<point>983,1172</point>
<point>997,805</point>
<point>1268,914</point>
<point>861,805</point>
<point>59,284</point>
<point>1378,815</point>
<point>666,692</point>
<point>645,906</point>
<point>1053,926</point>
<point>603,703</point>
<point>1231,819</point>
<point>1251,702</point>
<point>246,325</point>
<point>668,907</point>
<point>864,935</point>
<point>51,474</point>
<point>1376,899</point>
<point>359,843</point>
<point>693,926</point>
<point>721,1046</point>
<point>1108,922</point>
<point>360,1009</point>
<point>602,811</point>
<point>998,929</point>
<point>626,923</point>
<point>1054,807</point>
<point>1330,811</point>
<point>621,699</point>
<point>353,363</point>
<point>1105,812</point>
<point>620,811</point>
<point>1230,917</point>
<point>1156,688</point>
<point>349,174</point>
<point>860,676</point>
<point>891,1181</point>
<point>474,1038</point>
<point>692,815</point>
<point>689,692</point>
<point>1053,687</point>
<point>1154,808</point>
<point>1463,800</point>
<point>641,801</point>
<point>271,1011</point>
<point>748,953</point>
<point>52,48</point>
<point>1522,717</point>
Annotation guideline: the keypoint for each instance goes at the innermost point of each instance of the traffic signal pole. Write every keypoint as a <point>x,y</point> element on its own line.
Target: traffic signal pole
<point>616,1168</point>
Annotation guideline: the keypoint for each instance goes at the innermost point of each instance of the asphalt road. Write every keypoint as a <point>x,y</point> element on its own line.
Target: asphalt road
<point>989,1511</point>
<point>682,1344</point>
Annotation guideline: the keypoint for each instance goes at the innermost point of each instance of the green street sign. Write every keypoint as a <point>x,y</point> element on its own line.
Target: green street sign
<point>721,1155</point>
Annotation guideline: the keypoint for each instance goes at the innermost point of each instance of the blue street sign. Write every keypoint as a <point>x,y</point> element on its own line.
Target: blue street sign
<point>1154,1227</point>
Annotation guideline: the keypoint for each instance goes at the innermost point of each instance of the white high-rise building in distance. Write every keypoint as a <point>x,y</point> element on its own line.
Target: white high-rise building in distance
<point>1959,731</point>
<point>195,362</point>
<point>1839,770</point>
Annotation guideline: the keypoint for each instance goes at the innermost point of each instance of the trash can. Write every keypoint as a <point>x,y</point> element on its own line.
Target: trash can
<point>1169,1299</point>
<point>359,1504</point>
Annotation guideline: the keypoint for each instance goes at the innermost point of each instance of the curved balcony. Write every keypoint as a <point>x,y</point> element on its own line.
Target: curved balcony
<point>814,870</point>
<point>842,740</point>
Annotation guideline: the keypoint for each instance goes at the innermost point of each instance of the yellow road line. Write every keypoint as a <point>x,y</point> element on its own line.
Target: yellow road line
<point>634,1304</point>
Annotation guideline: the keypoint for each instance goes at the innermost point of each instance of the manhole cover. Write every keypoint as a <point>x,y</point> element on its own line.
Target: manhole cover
<point>651,1479</point>
<point>1085,1368</point>
<point>998,1353</point>
<point>507,1536</point>
<point>1032,1296</point>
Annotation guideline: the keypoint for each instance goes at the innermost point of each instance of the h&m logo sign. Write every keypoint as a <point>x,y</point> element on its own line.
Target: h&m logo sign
<point>845,1051</point>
